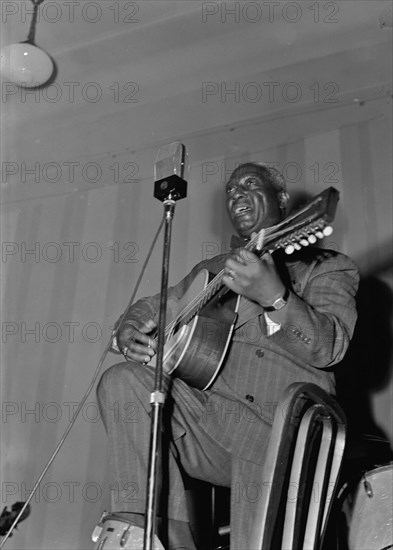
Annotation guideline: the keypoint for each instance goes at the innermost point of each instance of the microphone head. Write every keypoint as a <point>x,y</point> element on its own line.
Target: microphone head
<point>170,170</point>
<point>171,159</point>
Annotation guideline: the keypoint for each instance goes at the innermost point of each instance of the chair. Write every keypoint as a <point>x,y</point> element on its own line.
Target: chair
<point>300,475</point>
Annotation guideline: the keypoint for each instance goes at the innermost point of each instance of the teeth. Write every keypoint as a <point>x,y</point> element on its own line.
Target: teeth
<point>241,209</point>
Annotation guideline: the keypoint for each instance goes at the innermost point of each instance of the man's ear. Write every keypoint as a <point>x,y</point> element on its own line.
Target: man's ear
<point>282,201</point>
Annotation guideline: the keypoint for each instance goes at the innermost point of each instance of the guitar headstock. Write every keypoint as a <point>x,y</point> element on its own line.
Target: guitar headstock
<point>303,227</point>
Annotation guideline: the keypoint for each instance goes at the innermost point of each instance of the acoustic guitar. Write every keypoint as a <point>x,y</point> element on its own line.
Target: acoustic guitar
<point>198,337</point>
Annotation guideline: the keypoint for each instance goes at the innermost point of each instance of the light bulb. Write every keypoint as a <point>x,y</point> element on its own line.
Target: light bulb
<point>25,65</point>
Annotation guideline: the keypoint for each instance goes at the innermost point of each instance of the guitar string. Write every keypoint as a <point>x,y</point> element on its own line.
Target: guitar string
<point>210,289</point>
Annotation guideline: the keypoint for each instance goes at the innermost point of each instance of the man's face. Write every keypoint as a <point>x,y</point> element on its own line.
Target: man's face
<point>251,201</point>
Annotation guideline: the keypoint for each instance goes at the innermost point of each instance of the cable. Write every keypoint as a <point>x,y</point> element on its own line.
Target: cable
<point>86,395</point>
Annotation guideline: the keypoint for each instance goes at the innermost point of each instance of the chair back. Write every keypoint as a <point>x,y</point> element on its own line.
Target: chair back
<point>300,474</point>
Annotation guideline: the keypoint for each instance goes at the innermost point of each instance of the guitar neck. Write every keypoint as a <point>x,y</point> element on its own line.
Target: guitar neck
<point>198,303</point>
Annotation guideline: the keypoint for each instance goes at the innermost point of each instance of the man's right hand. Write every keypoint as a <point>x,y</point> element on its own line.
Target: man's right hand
<point>136,342</point>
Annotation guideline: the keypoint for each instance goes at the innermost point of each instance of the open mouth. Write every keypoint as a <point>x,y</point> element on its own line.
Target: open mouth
<point>241,209</point>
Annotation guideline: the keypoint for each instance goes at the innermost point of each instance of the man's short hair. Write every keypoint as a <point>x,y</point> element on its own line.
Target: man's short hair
<point>277,180</point>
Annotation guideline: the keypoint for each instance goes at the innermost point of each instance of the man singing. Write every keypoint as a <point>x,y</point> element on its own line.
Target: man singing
<point>295,319</point>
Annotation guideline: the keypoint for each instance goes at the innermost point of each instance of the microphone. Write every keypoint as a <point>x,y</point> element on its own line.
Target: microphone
<point>170,170</point>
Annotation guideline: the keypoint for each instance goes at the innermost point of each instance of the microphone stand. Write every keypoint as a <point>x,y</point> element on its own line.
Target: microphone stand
<point>168,190</point>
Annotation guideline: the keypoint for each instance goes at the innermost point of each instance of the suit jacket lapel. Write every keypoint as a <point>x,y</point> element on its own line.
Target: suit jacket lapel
<point>247,310</point>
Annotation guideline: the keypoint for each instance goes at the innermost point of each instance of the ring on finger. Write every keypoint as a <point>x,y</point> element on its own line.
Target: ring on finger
<point>124,351</point>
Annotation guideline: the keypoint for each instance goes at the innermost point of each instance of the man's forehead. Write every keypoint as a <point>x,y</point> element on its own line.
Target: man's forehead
<point>246,170</point>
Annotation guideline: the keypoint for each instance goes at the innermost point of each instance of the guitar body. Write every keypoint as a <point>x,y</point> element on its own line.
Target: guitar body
<point>195,352</point>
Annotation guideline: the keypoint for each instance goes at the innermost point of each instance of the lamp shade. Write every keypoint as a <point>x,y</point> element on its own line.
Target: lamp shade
<point>25,64</point>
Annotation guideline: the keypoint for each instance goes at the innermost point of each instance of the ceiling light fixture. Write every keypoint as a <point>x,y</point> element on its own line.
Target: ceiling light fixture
<point>26,64</point>
<point>385,19</point>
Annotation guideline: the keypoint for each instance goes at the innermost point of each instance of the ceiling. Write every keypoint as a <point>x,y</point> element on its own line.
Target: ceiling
<point>134,75</point>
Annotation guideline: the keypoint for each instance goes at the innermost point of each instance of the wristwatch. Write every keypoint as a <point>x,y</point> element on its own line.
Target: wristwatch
<point>279,303</point>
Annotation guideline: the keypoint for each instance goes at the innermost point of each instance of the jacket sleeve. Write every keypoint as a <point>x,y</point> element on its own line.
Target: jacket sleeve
<point>319,325</point>
<point>148,308</point>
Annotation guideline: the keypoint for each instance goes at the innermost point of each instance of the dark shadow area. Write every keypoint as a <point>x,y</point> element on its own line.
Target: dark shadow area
<point>365,370</point>
<point>298,199</point>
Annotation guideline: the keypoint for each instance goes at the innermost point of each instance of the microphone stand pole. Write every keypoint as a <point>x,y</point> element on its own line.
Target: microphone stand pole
<point>168,190</point>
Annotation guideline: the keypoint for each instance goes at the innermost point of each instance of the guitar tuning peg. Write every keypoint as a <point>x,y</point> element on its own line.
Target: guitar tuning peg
<point>319,234</point>
<point>259,239</point>
<point>304,242</point>
<point>312,239</point>
<point>328,230</point>
<point>290,249</point>
<point>297,246</point>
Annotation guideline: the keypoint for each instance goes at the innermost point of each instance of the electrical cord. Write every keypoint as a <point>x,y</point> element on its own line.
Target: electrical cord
<point>87,392</point>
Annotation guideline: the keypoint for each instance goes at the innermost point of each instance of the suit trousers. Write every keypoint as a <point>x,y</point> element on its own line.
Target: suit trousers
<point>187,450</point>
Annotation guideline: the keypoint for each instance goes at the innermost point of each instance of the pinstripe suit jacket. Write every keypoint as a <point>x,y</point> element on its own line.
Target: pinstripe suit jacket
<point>319,323</point>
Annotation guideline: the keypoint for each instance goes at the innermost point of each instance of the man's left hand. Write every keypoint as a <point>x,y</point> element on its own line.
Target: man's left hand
<point>255,278</point>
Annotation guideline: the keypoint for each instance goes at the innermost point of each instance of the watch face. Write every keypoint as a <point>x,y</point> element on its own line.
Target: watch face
<point>280,303</point>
